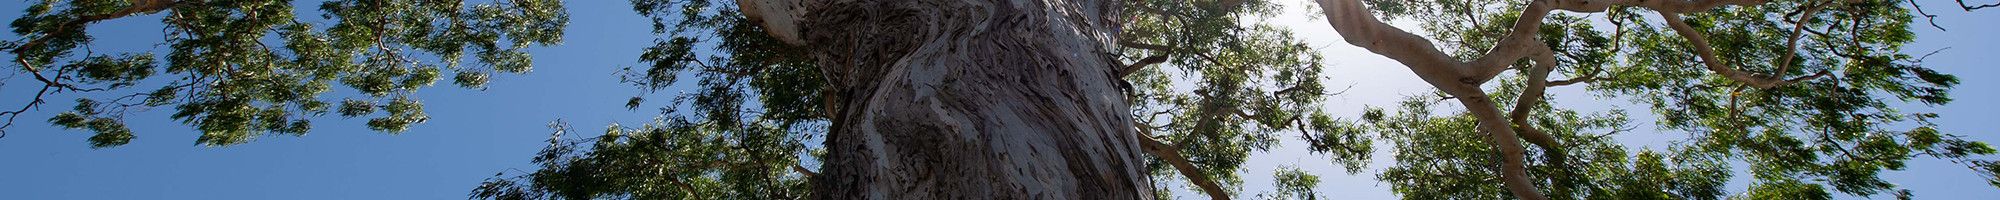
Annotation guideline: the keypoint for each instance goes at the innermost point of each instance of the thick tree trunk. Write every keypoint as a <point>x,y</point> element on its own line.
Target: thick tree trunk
<point>973,99</point>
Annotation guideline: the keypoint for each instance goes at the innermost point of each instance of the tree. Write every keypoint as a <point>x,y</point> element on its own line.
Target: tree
<point>1255,82</point>
<point>239,69</point>
<point>1574,163</point>
<point>1028,85</point>
<point>1815,98</point>
<point>1444,157</point>
<point>1602,169</point>
<point>931,101</point>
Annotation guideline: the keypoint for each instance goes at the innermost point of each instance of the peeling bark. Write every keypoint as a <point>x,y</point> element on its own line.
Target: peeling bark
<point>779,18</point>
<point>967,99</point>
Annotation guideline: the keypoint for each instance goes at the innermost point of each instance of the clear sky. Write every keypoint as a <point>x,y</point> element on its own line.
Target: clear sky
<point>473,134</point>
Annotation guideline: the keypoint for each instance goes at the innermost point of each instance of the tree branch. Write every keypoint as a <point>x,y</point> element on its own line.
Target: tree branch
<point>1355,24</point>
<point>1927,15</point>
<point>1618,26</point>
<point>1677,6</point>
<point>1143,62</point>
<point>1172,156</point>
<point>1513,168</point>
<point>1531,96</point>
<point>1961,4</point>
<point>1587,78</point>
<point>1708,58</point>
<point>1145,46</point>
<point>17,112</point>
<point>1359,27</point>
<point>1798,29</point>
<point>803,171</point>
<point>138,7</point>
<point>1519,43</point>
<point>780,18</point>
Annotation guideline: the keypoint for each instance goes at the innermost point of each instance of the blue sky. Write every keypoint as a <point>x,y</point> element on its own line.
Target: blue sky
<point>473,133</point>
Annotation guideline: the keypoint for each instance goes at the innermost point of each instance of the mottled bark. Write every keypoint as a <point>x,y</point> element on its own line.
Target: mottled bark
<point>967,99</point>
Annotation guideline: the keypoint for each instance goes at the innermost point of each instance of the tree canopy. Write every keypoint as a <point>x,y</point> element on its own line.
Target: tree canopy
<point>241,69</point>
<point>1803,93</point>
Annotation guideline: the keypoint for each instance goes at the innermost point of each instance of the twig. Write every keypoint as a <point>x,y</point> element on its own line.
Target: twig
<point>1961,4</point>
<point>1927,15</point>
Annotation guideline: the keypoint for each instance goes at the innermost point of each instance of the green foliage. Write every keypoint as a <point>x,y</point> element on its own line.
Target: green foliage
<point>1227,86</point>
<point>1250,83</point>
<point>114,72</point>
<point>1232,85</point>
<point>110,131</point>
<point>1834,133</point>
<point>1787,189</point>
<point>742,135</point>
<point>239,69</point>
<point>670,159</point>
<point>1446,157</point>
<point>1293,183</point>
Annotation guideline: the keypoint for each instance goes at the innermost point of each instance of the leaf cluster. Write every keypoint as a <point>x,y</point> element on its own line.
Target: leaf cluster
<point>239,69</point>
<point>1837,133</point>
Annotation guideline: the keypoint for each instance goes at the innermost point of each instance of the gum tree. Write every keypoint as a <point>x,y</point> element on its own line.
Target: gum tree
<point>1197,98</point>
<point>1063,99</point>
<point>1799,90</point>
<point>236,70</point>
<point>1208,87</point>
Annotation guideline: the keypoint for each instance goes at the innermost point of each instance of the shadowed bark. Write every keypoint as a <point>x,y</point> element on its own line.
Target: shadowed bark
<point>967,99</point>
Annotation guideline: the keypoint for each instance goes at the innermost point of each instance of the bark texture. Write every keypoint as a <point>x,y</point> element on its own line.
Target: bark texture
<point>971,99</point>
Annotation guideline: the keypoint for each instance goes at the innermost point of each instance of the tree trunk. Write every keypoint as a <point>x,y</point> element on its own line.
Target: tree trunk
<point>972,99</point>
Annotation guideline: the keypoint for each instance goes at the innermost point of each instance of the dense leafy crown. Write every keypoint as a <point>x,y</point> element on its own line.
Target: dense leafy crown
<point>1210,82</point>
<point>739,134</point>
<point>238,69</point>
<point>1208,78</point>
<point>1838,127</point>
<point>1231,85</point>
